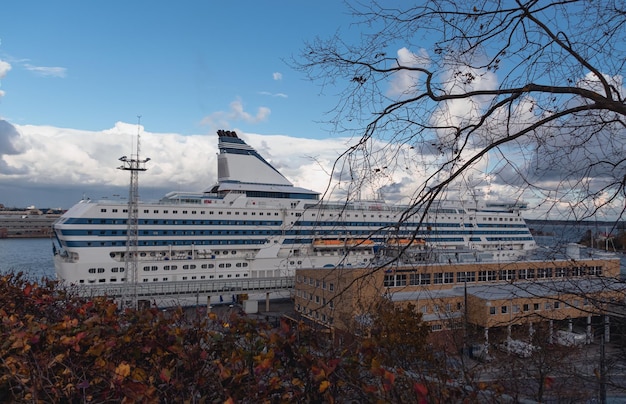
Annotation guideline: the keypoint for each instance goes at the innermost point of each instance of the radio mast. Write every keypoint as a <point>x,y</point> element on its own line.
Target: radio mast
<point>134,164</point>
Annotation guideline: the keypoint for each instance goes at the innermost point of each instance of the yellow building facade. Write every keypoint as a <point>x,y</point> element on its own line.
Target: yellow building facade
<point>487,295</point>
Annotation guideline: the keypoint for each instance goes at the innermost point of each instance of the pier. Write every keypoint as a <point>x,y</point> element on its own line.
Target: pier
<point>172,293</point>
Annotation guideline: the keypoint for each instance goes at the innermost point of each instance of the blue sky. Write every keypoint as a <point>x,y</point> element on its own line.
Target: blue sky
<point>87,65</point>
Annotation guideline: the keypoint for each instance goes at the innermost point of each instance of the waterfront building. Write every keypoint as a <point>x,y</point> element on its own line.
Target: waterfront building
<point>501,297</point>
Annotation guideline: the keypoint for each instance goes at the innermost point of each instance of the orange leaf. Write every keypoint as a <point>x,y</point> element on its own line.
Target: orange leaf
<point>324,385</point>
<point>390,377</point>
<point>370,389</point>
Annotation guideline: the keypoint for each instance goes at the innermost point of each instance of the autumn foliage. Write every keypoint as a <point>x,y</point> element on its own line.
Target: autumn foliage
<point>57,347</point>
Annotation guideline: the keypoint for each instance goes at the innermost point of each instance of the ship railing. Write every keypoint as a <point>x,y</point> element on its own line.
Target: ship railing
<point>186,288</point>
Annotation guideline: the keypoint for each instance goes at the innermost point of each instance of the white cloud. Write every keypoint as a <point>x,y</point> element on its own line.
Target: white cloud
<point>277,76</point>
<point>404,82</point>
<point>75,160</point>
<point>236,113</point>
<point>72,160</point>
<point>279,95</point>
<point>4,68</point>
<point>47,71</point>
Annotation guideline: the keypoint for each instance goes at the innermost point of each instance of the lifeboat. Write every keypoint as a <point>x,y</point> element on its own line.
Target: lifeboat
<point>349,243</point>
<point>404,242</point>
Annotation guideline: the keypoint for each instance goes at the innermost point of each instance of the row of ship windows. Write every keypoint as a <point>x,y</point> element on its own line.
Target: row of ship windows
<point>427,226</point>
<point>165,279</point>
<point>313,215</point>
<point>398,280</point>
<point>178,222</point>
<point>244,213</point>
<point>193,212</point>
<point>165,243</point>
<point>159,233</point>
<point>161,253</point>
<point>193,266</point>
<point>173,267</point>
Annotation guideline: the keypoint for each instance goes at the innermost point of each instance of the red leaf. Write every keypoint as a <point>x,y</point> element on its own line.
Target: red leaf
<point>165,375</point>
<point>420,389</point>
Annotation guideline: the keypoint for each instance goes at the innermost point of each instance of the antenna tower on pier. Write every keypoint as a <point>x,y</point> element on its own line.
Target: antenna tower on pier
<point>134,164</point>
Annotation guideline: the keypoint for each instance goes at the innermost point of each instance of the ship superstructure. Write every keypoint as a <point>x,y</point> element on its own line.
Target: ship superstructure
<point>254,223</point>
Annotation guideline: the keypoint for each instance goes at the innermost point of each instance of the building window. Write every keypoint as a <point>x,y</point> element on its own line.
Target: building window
<point>389,281</point>
<point>492,310</point>
<point>465,277</point>
<point>504,309</point>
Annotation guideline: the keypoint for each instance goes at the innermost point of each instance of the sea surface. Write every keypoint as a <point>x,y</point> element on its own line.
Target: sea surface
<point>33,256</point>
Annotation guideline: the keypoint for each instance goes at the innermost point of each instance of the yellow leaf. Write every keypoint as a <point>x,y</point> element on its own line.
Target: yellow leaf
<point>122,370</point>
<point>100,363</point>
<point>139,374</point>
<point>324,386</point>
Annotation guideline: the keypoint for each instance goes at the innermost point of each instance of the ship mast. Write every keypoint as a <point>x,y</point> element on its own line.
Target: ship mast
<point>134,164</point>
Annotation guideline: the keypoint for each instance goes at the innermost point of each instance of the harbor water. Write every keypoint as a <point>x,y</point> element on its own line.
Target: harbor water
<point>32,256</point>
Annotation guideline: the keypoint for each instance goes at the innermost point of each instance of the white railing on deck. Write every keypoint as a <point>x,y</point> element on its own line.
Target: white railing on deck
<point>187,288</point>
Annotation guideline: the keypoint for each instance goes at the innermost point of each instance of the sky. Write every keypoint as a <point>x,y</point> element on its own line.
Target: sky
<point>79,80</point>
<point>181,66</point>
<point>73,72</point>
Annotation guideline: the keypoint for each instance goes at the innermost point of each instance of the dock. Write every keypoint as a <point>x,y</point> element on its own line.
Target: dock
<point>192,293</point>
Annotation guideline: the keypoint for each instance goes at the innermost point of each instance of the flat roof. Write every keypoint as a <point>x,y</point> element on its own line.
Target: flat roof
<point>516,290</point>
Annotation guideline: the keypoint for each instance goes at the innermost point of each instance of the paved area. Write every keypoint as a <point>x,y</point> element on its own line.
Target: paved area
<point>277,309</point>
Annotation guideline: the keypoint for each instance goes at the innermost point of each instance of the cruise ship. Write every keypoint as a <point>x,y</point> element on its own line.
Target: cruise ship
<point>254,223</point>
